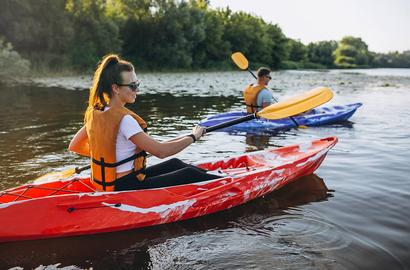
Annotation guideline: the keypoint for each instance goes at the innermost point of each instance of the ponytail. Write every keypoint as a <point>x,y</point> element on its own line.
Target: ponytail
<point>108,72</point>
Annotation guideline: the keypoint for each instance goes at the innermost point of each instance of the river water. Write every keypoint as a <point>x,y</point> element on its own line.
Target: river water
<point>352,214</point>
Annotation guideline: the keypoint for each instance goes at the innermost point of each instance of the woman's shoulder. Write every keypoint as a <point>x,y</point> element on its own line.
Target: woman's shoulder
<point>119,111</point>
<point>136,117</point>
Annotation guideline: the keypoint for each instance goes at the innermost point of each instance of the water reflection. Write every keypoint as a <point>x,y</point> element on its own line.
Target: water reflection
<point>138,249</point>
<point>344,124</point>
<point>259,142</point>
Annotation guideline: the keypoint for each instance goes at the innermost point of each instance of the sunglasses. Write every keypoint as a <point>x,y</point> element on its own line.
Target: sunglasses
<point>269,77</point>
<point>134,86</point>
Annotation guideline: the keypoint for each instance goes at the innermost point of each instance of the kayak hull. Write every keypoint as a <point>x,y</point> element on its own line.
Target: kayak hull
<point>315,117</point>
<point>72,207</point>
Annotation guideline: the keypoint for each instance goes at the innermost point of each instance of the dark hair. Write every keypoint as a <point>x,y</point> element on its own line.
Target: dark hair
<point>108,72</point>
<point>263,71</point>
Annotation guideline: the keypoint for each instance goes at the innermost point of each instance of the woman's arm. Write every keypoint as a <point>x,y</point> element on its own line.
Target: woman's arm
<point>79,144</point>
<point>165,149</point>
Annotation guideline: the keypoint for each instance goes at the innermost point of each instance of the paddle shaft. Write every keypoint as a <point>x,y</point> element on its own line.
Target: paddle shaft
<point>83,168</point>
<point>291,118</point>
<point>232,122</point>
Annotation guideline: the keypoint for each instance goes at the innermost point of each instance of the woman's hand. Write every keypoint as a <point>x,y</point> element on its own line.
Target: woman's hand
<point>198,131</point>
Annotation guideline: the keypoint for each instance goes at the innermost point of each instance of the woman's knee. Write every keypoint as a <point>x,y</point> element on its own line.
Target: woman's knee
<point>176,161</point>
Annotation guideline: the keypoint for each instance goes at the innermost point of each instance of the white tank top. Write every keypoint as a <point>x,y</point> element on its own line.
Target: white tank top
<point>125,148</point>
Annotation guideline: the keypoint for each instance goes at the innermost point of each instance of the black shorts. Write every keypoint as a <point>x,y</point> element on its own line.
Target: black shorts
<point>172,172</point>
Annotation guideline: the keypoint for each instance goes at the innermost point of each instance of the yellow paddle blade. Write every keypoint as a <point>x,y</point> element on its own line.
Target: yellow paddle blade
<point>54,176</point>
<point>240,60</point>
<point>297,104</point>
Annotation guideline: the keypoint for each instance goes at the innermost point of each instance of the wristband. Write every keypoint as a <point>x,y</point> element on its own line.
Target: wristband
<point>192,136</point>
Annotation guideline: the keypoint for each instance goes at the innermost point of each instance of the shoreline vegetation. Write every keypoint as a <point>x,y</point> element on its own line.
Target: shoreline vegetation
<point>67,37</point>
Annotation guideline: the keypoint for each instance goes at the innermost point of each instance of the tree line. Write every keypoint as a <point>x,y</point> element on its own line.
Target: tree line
<point>162,35</point>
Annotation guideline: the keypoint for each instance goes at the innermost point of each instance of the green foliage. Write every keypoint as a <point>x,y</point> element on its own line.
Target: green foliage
<point>392,59</point>
<point>277,47</point>
<point>167,38</point>
<point>352,52</point>
<point>61,35</point>
<point>259,41</point>
<point>214,48</point>
<point>183,29</point>
<point>95,34</point>
<point>38,30</point>
<point>12,65</point>
<point>245,33</point>
<point>297,51</point>
<point>189,35</point>
<point>322,53</point>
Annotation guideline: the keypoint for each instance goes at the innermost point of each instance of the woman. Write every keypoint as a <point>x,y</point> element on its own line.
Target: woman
<point>116,140</point>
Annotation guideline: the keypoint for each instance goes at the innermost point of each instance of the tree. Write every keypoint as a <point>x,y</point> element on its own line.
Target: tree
<point>168,37</point>
<point>277,45</point>
<point>11,63</point>
<point>297,51</point>
<point>214,49</point>
<point>94,33</point>
<point>38,30</point>
<point>261,42</point>
<point>244,33</point>
<point>322,52</point>
<point>352,52</point>
<point>392,59</point>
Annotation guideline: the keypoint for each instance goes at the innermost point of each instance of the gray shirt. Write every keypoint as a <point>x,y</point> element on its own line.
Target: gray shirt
<point>264,96</point>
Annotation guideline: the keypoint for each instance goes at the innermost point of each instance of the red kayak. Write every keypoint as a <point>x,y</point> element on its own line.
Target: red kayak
<point>72,207</point>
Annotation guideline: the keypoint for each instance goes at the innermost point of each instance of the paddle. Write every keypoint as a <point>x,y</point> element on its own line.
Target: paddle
<point>283,109</point>
<point>242,62</point>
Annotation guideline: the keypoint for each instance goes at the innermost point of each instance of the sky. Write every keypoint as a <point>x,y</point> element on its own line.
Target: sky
<point>383,24</point>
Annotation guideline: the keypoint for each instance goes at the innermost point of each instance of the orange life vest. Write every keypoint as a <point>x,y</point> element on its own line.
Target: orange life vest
<point>102,130</point>
<point>250,95</point>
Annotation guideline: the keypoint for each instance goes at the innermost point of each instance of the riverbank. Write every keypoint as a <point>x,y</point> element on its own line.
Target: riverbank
<point>152,81</point>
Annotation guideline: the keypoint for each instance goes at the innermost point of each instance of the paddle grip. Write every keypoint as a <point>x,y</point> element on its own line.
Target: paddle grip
<point>231,123</point>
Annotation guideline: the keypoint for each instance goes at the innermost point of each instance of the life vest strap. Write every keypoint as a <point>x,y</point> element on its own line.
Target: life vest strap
<point>103,164</point>
<point>253,106</point>
<point>140,171</point>
<point>104,183</point>
<point>112,165</point>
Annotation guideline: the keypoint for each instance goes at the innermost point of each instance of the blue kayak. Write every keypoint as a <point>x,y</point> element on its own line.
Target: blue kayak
<point>315,117</point>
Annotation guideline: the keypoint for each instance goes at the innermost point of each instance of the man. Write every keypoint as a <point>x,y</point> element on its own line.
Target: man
<point>258,96</point>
